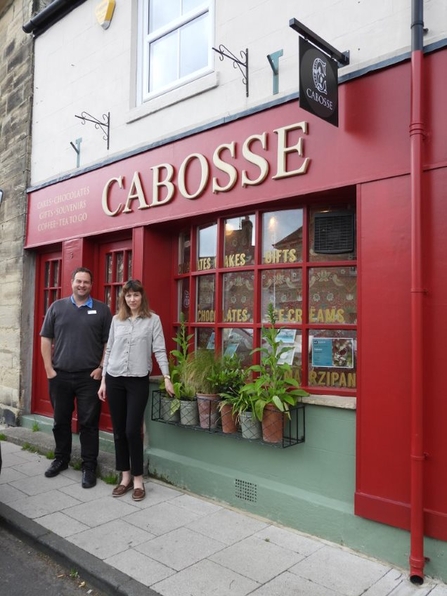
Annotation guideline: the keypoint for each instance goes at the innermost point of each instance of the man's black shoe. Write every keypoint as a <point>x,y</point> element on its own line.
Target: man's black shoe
<point>88,478</point>
<point>56,467</point>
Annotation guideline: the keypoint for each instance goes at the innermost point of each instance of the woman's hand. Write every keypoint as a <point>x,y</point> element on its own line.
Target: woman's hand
<point>169,387</point>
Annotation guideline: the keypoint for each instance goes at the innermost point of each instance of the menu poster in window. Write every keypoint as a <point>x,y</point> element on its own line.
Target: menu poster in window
<point>333,352</point>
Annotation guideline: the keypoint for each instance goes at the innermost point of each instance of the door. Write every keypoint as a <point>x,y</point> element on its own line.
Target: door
<point>115,268</point>
<point>48,290</point>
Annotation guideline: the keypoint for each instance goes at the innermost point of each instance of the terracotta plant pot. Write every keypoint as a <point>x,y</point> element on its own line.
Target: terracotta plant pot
<point>208,410</point>
<point>229,422</point>
<point>272,424</point>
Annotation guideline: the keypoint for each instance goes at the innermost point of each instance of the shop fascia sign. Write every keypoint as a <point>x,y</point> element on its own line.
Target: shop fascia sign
<point>318,87</point>
<point>167,180</point>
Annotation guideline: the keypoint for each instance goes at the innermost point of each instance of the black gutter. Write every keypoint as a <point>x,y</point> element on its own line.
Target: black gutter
<point>51,14</point>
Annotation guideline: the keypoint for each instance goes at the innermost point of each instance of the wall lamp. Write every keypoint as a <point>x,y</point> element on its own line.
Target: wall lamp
<point>1,196</point>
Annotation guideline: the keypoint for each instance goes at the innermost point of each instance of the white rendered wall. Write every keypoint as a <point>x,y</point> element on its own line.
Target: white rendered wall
<point>79,66</point>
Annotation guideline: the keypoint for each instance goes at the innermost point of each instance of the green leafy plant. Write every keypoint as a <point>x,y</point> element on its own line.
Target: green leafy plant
<point>230,381</point>
<point>178,361</point>
<point>35,426</point>
<point>203,370</point>
<point>273,382</point>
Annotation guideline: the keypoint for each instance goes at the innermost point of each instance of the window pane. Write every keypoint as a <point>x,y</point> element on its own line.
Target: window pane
<point>207,242</point>
<point>292,340</point>
<point>161,12</point>
<point>205,339</point>
<point>163,61</point>
<point>283,288</point>
<point>239,241</point>
<point>333,295</point>
<point>205,299</point>
<point>109,276</point>
<point>194,44</point>
<point>119,267</point>
<point>240,342</point>
<point>282,236</point>
<point>184,298</point>
<point>238,295</point>
<point>333,359</point>
<point>184,260</point>
<point>190,4</point>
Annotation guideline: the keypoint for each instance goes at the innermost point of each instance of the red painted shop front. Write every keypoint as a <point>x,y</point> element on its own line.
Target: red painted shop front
<point>126,217</point>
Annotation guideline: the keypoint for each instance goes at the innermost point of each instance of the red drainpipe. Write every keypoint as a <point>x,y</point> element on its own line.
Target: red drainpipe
<point>416,558</point>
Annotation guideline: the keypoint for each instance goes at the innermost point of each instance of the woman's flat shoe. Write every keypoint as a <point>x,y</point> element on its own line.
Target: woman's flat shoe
<point>122,489</point>
<point>138,494</point>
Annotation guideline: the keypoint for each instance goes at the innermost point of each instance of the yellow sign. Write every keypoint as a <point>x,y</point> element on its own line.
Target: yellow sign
<point>104,13</point>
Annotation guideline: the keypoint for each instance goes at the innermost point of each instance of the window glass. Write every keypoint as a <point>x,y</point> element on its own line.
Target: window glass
<point>282,288</point>
<point>238,297</point>
<point>291,340</point>
<point>333,359</point>
<point>184,260</point>
<point>194,43</point>
<point>333,295</point>
<point>282,236</point>
<point>206,247</point>
<point>184,298</point>
<point>206,299</point>
<point>163,60</point>
<point>239,241</point>
<point>238,341</point>
<point>205,339</point>
<point>176,39</point>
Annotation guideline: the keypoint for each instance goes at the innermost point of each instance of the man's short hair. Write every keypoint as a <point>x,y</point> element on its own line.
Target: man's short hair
<point>82,270</point>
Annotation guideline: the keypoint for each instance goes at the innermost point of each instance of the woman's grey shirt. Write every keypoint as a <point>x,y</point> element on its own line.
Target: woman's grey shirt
<point>131,345</point>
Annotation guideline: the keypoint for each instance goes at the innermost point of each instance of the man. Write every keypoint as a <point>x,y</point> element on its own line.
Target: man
<point>73,340</point>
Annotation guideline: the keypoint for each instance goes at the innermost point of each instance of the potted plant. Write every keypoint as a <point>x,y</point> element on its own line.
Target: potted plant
<point>184,399</point>
<point>273,389</point>
<point>229,382</point>
<point>202,371</point>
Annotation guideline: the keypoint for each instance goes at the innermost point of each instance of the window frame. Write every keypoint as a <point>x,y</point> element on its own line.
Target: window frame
<point>146,38</point>
<point>306,264</point>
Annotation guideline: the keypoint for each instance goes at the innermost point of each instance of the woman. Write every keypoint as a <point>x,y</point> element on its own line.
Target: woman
<point>135,334</point>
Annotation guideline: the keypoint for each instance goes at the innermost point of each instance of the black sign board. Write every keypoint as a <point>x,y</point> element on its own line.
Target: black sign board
<point>318,83</point>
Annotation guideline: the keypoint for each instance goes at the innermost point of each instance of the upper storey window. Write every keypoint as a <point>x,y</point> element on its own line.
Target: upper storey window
<point>176,43</point>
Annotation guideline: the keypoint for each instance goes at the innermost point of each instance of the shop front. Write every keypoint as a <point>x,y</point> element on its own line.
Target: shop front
<point>278,207</point>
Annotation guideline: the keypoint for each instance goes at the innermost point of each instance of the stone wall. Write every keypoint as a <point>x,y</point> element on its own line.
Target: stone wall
<point>16,287</point>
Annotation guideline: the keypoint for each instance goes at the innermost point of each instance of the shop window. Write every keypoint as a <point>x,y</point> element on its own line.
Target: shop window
<point>175,44</point>
<point>235,273</point>
<point>118,269</point>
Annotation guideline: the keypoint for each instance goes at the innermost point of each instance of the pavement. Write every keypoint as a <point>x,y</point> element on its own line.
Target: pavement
<point>174,543</point>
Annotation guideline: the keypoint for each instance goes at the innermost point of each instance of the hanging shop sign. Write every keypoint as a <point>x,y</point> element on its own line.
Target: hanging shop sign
<point>318,83</point>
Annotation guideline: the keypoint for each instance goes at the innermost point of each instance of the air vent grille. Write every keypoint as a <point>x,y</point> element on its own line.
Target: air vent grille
<point>334,232</point>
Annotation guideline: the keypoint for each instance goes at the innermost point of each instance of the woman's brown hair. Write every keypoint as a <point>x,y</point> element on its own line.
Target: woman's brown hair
<point>124,312</point>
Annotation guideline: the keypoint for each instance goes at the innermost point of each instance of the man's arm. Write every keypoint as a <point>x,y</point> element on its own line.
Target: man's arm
<point>46,345</point>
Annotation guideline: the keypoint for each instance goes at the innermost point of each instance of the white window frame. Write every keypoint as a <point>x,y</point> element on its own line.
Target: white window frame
<point>146,38</point>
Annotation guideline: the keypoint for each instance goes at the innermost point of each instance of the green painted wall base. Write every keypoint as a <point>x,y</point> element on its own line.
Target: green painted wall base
<point>307,487</point>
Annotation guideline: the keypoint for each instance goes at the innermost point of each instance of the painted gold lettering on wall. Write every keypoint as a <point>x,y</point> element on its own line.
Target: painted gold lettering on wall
<point>221,172</point>
<point>205,316</point>
<point>63,210</point>
<point>205,263</point>
<point>332,378</point>
<point>280,256</point>
<point>237,315</point>
<point>237,260</point>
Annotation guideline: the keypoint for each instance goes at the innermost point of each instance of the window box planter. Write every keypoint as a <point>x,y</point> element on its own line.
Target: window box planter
<point>292,425</point>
